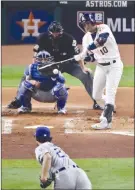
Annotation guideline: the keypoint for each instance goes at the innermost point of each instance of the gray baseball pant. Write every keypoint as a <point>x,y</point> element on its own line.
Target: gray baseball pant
<point>73,179</point>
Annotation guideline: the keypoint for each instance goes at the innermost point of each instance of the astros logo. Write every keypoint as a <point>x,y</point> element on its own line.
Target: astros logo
<point>30,26</point>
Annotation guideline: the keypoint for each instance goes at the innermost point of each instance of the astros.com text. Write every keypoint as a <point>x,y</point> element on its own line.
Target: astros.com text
<point>106,3</point>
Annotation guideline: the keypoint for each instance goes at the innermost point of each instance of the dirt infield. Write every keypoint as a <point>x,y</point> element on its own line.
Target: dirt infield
<point>72,131</point>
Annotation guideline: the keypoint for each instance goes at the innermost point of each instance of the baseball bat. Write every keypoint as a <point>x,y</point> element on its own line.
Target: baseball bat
<point>56,63</point>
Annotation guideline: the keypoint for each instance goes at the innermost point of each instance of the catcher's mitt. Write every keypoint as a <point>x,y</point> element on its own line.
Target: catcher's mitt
<point>46,183</point>
<point>47,68</point>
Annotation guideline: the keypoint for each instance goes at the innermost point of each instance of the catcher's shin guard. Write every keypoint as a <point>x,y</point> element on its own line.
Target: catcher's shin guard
<point>24,95</point>
<point>108,112</point>
<point>61,94</point>
<point>26,99</point>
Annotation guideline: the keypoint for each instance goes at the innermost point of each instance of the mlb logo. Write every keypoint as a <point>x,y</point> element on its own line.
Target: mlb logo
<point>98,16</point>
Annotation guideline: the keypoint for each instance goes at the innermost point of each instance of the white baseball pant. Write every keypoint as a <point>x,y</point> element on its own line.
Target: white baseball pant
<point>107,77</point>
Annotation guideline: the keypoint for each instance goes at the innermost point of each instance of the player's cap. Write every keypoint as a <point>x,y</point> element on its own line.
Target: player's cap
<point>42,131</point>
<point>55,27</point>
<point>86,18</point>
<point>42,134</point>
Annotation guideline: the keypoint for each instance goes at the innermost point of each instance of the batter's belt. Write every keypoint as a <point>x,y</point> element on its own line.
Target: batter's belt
<point>106,64</point>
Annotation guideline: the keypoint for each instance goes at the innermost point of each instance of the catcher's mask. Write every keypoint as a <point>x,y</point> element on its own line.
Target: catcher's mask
<point>43,57</point>
<point>42,134</point>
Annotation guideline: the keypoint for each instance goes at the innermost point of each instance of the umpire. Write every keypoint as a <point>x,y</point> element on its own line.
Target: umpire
<point>62,46</point>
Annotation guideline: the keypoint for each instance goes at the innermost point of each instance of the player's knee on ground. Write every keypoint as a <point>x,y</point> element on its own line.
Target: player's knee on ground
<point>61,94</point>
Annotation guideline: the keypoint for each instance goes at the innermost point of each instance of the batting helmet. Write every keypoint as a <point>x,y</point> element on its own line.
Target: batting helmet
<point>87,18</point>
<point>55,27</point>
<point>42,134</point>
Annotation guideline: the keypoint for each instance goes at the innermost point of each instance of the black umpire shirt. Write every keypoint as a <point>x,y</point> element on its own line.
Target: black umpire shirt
<point>62,48</point>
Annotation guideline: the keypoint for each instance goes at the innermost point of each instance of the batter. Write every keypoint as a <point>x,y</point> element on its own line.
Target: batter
<point>100,43</point>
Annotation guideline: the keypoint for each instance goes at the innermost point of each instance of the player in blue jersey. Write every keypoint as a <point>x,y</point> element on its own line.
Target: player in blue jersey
<point>43,87</point>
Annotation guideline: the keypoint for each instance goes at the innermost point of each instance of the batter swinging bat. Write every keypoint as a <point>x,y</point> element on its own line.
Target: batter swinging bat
<point>54,63</point>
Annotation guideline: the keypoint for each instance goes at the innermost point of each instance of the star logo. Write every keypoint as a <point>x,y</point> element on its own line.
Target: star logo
<point>30,26</point>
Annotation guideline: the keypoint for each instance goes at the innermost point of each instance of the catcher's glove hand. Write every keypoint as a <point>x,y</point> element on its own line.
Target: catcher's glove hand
<point>45,184</point>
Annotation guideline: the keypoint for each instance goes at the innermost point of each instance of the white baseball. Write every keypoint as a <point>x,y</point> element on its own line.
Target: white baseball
<point>55,71</point>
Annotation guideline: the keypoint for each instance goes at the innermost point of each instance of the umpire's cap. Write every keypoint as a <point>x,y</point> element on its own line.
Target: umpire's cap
<point>55,27</point>
<point>86,18</point>
<point>42,134</point>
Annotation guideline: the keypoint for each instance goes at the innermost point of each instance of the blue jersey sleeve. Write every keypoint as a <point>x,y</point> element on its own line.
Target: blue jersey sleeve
<point>35,74</point>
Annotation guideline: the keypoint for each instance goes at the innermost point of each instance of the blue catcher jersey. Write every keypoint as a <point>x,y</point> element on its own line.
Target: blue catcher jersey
<point>47,82</point>
<point>35,74</point>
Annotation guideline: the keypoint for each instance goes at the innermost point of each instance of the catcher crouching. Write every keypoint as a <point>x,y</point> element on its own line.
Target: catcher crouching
<point>44,83</point>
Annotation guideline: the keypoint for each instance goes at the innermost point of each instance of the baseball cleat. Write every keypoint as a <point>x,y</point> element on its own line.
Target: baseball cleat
<point>24,110</point>
<point>15,104</point>
<point>102,125</point>
<point>99,126</point>
<point>62,111</point>
<point>97,107</point>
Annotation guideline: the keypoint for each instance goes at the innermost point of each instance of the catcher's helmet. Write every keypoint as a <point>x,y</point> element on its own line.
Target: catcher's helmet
<point>42,134</point>
<point>87,18</point>
<point>43,56</point>
<point>55,27</point>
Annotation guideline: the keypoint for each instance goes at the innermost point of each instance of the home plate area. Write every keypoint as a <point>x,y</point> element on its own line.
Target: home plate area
<point>72,131</point>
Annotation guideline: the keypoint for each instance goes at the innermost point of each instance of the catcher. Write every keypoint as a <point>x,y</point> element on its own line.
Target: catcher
<point>56,165</point>
<point>42,84</point>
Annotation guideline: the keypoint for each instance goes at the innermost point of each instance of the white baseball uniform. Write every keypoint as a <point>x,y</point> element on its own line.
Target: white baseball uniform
<point>106,76</point>
<point>68,174</point>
